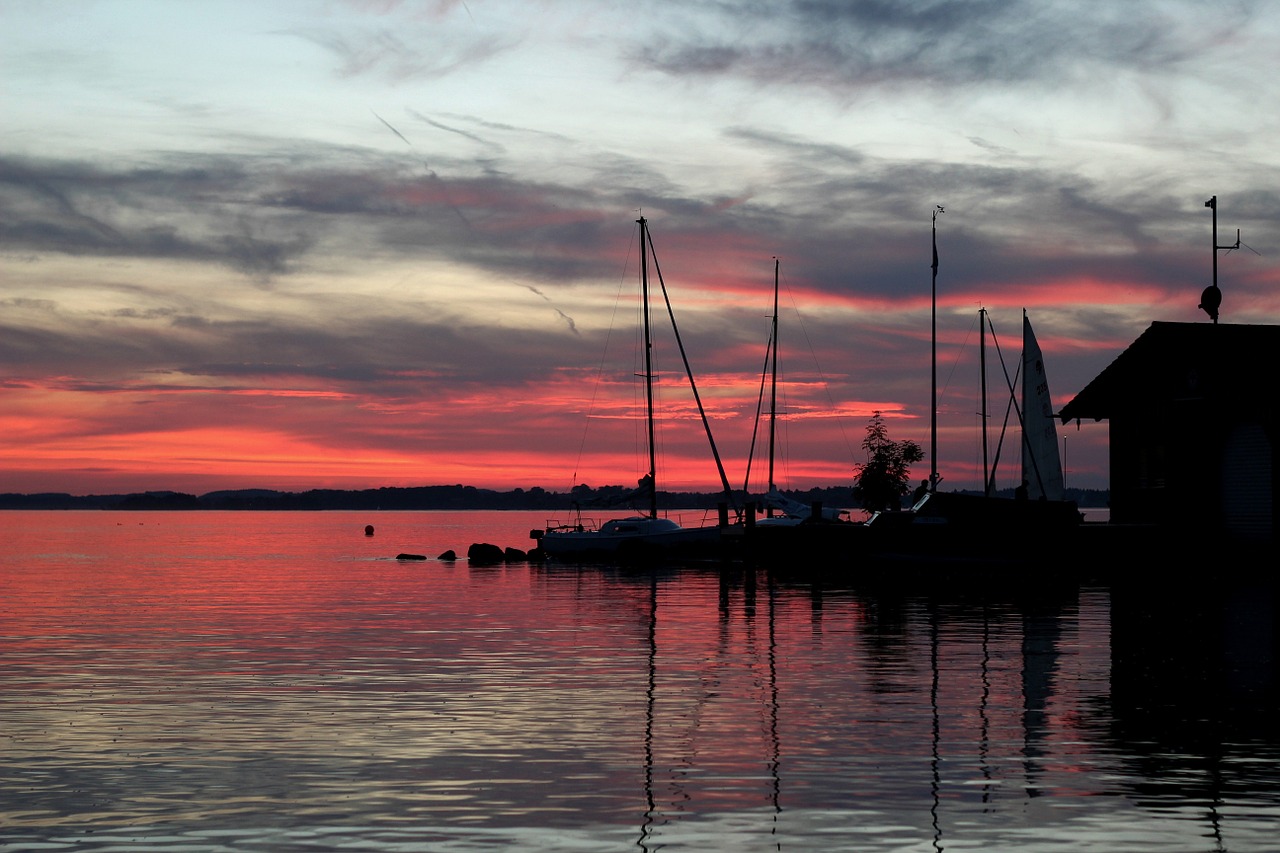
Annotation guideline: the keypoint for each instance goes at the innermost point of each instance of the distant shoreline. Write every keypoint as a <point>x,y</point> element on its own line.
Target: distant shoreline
<point>602,499</point>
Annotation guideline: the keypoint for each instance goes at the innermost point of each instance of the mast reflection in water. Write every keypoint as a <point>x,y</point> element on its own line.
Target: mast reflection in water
<point>274,681</point>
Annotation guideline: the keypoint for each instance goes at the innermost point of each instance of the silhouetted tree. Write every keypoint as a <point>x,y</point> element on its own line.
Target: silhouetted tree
<point>882,480</point>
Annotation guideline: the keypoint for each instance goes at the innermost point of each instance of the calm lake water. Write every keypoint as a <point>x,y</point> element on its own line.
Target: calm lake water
<point>278,681</point>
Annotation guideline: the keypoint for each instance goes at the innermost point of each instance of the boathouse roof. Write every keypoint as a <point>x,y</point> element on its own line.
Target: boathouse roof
<point>1185,362</point>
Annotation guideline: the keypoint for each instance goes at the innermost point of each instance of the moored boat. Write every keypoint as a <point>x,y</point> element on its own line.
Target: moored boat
<point>975,534</point>
<point>779,510</point>
<point>942,525</point>
<point>636,536</point>
<point>648,534</point>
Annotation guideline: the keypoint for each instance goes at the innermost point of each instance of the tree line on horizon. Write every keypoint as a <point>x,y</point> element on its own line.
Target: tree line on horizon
<point>601,499</point>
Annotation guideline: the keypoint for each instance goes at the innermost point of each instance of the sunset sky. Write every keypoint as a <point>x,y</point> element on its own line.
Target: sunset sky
<point>357,244</point>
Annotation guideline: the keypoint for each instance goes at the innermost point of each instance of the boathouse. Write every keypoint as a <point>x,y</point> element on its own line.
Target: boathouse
<point>1192,412</point>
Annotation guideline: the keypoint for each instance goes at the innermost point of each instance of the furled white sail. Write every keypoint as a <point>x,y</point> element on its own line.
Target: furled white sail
<point>1041,464</point>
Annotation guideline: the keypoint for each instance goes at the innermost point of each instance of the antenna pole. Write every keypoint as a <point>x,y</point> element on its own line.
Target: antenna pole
<point>1212,296</point>
<point>1213,205</point>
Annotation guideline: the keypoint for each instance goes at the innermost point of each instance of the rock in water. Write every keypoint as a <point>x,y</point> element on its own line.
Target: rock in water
<point>484,554</point>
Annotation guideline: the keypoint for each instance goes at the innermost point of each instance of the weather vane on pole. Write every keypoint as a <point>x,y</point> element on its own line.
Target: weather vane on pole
<point>1211,296</point>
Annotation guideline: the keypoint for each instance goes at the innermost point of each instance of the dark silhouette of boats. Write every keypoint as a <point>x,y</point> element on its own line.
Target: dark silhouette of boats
<point>645,535</point>
<point>996,535</point>
<point>998,530</point>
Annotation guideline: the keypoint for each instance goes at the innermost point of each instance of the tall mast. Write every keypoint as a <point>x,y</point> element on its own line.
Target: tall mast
<point>648,366</point>
<point>773,391</point>
<point>933,317</point>
<point>982,360</point>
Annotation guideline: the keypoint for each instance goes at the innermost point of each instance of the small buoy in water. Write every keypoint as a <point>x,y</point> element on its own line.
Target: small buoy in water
<point>368,530</point>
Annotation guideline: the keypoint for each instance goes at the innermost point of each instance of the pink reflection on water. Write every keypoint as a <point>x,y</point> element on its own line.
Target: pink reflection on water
<point>281,675</point>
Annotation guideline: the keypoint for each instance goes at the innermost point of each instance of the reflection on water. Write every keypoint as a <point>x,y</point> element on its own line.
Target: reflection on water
<point>267,681</point>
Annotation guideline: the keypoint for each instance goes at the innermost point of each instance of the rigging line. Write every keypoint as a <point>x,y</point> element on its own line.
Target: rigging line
<point>773,390</point>
<point>608,337</point>
<point>995,461</point>
<point>979,446</point>
<point>642,391</point>
<point>784,443</point>
<point>956,363</point>
<point>755,429</point>
<point>706,424</point>
<point>783,427</point>
<point>1026,441</point>
<point>770,352</point>
<point>826,384</point>
<point>1004,427</point>
<point>990,486</point>
<point>771,344</point>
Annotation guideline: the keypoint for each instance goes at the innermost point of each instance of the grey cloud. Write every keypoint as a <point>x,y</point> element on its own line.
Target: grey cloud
<point>178,213</point>
<point>950,43</point>
<point>403,55</point>
<point>833,209</point>
<point>402,350</point>
<point>148,314</point>
<point>790,145</point>
<point>1079,208</point>
<point>260,257</point>
<point>41,305</point>
<point>987,145</point>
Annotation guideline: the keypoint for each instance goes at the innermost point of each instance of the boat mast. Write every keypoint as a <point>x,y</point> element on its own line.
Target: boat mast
<point>773,391</point>
<point>648,365</point>
<point>982,361</point>
<point>933,317</point>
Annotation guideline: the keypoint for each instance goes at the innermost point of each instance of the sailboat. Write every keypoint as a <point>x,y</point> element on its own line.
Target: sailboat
<point>943,528</point>
<point>779,509</point>
<point>647,533</point>
<point>983,526</point>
